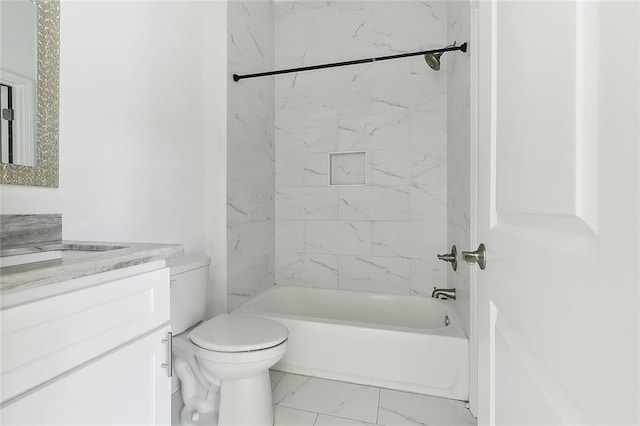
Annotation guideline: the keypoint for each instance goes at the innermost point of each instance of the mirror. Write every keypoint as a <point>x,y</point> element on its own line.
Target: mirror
<point>29,85</point>
<point>18,72</point>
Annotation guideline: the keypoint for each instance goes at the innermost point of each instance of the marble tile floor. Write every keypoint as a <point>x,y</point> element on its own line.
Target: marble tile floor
<point>309,401</point>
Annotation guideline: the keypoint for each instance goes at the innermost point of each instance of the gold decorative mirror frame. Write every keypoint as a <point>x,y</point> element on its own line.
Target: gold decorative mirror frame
<point>45,172</point>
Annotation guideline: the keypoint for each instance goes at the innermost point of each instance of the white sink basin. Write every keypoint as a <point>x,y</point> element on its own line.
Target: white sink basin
<point>52,252</point>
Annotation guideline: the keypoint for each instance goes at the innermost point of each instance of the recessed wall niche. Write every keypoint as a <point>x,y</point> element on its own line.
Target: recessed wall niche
<point>347,168</point>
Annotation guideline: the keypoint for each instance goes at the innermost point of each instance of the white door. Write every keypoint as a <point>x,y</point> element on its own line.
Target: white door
<point>558,188</point>
<point>126,387</point>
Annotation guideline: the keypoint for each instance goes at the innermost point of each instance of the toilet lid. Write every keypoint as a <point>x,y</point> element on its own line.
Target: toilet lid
<point>238,333</point>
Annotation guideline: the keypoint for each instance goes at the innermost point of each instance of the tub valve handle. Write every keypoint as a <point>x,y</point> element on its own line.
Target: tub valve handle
<point>451,257</point>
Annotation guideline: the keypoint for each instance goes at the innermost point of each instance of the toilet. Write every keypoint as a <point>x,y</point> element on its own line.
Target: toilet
<point>223,362</point>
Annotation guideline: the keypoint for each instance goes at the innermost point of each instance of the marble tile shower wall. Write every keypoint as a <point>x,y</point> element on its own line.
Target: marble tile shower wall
<point>458,153</point>
<point>383,235</point>
<point>250,152</point>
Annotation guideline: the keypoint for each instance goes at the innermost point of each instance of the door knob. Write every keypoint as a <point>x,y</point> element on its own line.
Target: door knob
<point>479,256</point>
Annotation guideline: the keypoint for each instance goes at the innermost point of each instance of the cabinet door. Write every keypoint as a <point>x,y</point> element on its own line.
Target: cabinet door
<point>41,340</point>
<point>125,386</point>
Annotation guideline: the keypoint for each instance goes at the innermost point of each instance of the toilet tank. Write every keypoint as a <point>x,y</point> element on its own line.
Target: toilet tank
<point>189,281</point>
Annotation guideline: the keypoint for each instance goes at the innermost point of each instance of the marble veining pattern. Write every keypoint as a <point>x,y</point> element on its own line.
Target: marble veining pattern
<point>316,170</point>
<point>407,239</point>
<point>348,168</point>
<point>376,274</point>
<point>307,203</point>
<point>284,416</point>
<point>339,237</point>
<point>32,275</point>
<point>250,152</point>
<point>377,131</point>
<point>383,235</point>
<point>26,229</point>
<point>339,399</point>
<point>307,401</point>
<point>289,235</point>
<point>458,153</point>
<point>374,203</point>
<point>311,270</point>
<point>426,274</point>
<point>400,408</point>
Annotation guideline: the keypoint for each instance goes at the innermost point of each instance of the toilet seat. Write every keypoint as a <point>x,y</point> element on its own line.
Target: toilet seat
<point>186,346</point>
<point>233,333</point>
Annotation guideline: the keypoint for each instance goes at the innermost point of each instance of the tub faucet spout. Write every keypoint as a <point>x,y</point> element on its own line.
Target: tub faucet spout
<point>444,293</point>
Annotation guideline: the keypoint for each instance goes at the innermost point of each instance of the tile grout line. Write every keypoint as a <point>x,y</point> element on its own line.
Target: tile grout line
<point>282,377</point>
<point>304,410</point>
<point>311,410</point>
<point>378,410</point>
<point>402,395</point>
<point>296,409</point>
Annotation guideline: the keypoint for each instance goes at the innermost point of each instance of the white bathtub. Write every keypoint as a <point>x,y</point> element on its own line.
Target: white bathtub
<point>392,341</point>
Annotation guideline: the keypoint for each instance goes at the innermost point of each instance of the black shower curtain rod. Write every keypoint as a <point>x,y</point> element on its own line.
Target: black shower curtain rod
<point>462,47</point>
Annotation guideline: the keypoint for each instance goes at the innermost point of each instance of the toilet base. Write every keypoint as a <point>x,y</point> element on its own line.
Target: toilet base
<point>189,417</point>
<point>246,401</point>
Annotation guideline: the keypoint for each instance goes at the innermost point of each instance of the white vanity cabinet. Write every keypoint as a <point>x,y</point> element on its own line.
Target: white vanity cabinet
<point>95,355</point>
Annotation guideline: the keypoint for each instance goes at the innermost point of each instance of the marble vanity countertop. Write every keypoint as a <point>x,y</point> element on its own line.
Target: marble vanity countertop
<point>93,259</point>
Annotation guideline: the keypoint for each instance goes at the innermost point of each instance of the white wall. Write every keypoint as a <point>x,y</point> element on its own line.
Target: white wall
<point>250,156</point>
<point>216,81</point>
<point>383,236</point>
<point>458,152</point>
<point>142,113</point>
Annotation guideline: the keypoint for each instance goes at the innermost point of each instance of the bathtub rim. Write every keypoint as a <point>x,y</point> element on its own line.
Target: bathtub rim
<point>454,330</point>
